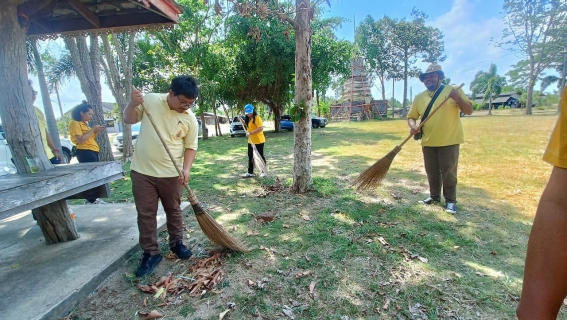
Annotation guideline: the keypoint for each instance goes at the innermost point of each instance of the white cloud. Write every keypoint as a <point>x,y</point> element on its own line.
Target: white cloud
<point>468,41</point>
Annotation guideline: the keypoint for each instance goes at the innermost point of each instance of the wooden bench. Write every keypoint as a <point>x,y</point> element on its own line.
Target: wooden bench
<point>21,192</point>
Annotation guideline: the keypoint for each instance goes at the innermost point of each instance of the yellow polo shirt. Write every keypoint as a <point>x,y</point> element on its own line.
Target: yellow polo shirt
<point>556,152</point>
<point>258,137</point>
<point>179,130</point>
<point>42,131</point>
<point>444,128</point>
<point>78,128</point>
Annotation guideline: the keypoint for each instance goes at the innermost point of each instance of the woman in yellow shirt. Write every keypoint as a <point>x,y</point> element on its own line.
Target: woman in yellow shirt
<point>256,136</point>
<point>83,137</point>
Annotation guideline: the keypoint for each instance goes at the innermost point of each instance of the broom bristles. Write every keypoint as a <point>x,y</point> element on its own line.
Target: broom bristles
<point>215,232</point>
<point>258,161</point>
<point>211,228</point>
<point>373,176</point>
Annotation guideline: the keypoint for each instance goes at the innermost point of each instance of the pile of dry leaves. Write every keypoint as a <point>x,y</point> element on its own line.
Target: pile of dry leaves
<point>202,277</point>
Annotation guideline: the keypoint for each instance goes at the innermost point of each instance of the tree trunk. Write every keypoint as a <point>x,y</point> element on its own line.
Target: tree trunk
<point>117,65</point>
<point>302,171</point>
<point>204,127</point>
<point>318,108</point>
<point>277,117</point>
<point>18,116</point>
<point>86,60</point>
<point>529,98</point>
<point>490,106</point>
<point>383,87</point>
<point>65,135</point>
<point>55,222</point>
<point>404,104</point>
<point>217,122</point>
<point>47,106</point>
<point>393,99</point>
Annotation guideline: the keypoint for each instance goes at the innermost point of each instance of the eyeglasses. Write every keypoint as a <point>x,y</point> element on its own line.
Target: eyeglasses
<point>186,104</point>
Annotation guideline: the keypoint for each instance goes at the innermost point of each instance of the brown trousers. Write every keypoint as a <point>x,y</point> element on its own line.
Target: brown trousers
<point>147,191</point>
<point>441,168</point>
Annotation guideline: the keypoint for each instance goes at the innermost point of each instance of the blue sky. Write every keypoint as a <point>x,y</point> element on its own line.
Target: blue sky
<point>468,26</point>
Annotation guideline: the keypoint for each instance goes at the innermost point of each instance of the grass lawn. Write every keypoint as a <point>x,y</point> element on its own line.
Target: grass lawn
<point>373,255</point>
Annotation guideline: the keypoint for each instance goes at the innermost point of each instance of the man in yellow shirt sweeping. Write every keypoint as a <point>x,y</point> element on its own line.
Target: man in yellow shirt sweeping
<point>154,176</point>
<point>441,135</point>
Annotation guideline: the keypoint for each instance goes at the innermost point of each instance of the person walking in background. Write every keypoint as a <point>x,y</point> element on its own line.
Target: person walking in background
<point>154,176</point>
<point>50,150</point>
<point>83,137</point>
<point>255,135</point>
<point>545,273</point>
<point>441,135</point>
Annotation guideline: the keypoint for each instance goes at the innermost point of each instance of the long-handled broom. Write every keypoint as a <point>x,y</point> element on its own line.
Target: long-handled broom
<point>258,161</point>
<point>373,176</point>
<point>211,228</point>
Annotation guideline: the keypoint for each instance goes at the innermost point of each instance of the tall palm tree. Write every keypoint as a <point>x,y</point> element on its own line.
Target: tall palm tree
<point>59,70</point>
<point>488,83</point>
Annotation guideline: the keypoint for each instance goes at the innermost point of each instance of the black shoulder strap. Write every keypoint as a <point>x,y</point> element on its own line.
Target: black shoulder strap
<point>431,103</point>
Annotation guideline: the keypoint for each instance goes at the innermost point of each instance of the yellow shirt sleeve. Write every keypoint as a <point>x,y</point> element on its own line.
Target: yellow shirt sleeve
<point>75,130</point>
<point>556,152</point>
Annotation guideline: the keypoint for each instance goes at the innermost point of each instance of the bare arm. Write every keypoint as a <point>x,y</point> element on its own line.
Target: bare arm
<point>130,115</point>
<point>465,106</point>
<point>545,273</point>
<point>257,130</point>
<point>52,145</point>
<point>188,158</point>
<point>413,126</point>
<point>83,138</point>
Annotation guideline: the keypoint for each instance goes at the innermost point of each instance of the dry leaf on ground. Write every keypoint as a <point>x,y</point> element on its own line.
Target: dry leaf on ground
<point>304,274</point>
<point>222,314</point>
<point>312,290</point>
<point>154,314</point>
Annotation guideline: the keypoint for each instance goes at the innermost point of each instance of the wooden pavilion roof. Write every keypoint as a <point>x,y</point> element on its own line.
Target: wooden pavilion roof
<point>47,18</point>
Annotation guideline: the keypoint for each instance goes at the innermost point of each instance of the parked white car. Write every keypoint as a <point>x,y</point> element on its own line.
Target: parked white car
<point>67,147</point>
<point>5,154</point>
<point>118,140</point>
<point>236,127</point>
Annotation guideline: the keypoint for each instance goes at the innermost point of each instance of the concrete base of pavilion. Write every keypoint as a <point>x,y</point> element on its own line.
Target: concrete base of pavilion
<point>42,281</point>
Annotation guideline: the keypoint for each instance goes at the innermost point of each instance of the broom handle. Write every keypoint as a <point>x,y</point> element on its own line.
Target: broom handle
<point>429,117</point>
<point>191,195</point>
<point>245,128</point>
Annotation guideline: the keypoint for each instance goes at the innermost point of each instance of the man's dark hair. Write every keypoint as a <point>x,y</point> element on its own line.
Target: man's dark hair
<point>83,107</point>
<point>186,86</point>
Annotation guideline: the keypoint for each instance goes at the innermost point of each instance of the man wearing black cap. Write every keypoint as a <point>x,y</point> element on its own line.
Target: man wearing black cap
<point>441,135</point>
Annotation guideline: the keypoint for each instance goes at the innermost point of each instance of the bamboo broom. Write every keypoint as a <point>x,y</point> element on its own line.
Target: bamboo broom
<point>258,161</point>
<point>373,176</point>
<point>211,228</point>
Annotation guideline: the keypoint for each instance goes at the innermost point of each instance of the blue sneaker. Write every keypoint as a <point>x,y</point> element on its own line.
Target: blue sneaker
<point>148,264</point>
<point>451,207</point>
